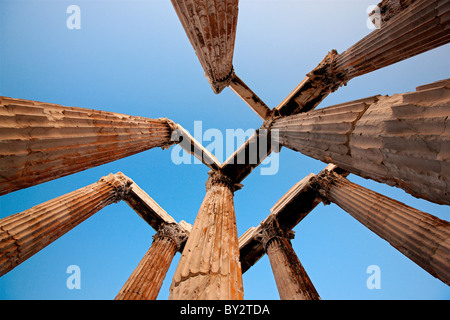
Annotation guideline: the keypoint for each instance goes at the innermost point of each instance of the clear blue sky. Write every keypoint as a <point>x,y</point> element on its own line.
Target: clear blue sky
<point>134,57</point>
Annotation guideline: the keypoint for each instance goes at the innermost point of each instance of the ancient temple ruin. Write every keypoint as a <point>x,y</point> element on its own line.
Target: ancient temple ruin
<point>401,140</point>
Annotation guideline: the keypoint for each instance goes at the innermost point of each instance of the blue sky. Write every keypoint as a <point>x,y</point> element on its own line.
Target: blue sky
<point>133,57</point>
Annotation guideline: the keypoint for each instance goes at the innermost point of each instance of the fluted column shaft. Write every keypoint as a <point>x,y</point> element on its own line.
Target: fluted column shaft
<point>209,267</point>
<point>146,280</point>
<point>387,9</point>
<point>211,28</point>
<point>40,141</point>
<point>420,27</point>
<point>422,237</point>
<point>402,140</point>
<point>292,281</point>
<point>24,234</point>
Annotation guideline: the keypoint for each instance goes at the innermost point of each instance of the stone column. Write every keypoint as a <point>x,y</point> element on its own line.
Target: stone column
<point>24,234</point>
<point>40,141</point>
<point>404,32</point>
<point>211,28</point>
<point>209,267</point>
<point>291,278</point>
<point>387,9</point>
<point>146,280</point>
<point>411,30</point>
<point>423,238</point>
<point>402,140</point>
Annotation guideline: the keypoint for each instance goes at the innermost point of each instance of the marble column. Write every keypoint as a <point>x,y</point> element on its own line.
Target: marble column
<point>422,237</point>
<point>401,140</point>
<point>146,280</point>
<point>24,234</point>
<point>211,28</point>
<point>209,267</point>
<point>291,278</point>
<point>41,141</point>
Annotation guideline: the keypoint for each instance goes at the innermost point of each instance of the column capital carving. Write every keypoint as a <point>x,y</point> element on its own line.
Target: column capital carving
<point>272,229</point>
<point>217,178</point>
<point>173,127</point>
<point>120,182</point>
<point>273,116</point>
<point>174,232</point>
<point>321,184</point>
<point>326,74</point>
<point>389,9</point>
<point>219,84</point>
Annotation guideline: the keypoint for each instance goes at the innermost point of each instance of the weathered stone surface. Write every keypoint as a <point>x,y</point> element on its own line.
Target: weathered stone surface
<point>24,234</point>
<point>328,76</point>
<point>422,237</point>
<point>401,140</point>
<point>209,267</point>
<point>319,82</point>
<point>146,280</point>
<point>388,9</point>
<point>419,27</point>
<point>40,141</point>
<point>291,278</point>
<point>211,28</point>
<point>250,154</point>
<point>176,233</point>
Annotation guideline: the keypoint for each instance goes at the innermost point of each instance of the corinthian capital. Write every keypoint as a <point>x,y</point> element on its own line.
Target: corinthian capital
<point>321,183</point>
<point>217,178</point>
<point>272,229</point>
<point>120,182</point>
<point>174,232</point>
<point>327,75</point>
